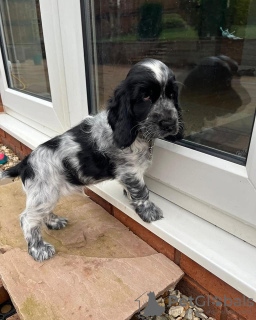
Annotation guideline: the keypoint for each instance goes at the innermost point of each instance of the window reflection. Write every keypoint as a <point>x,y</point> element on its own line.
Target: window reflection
<point>210,45</point>
<point>23,47</point>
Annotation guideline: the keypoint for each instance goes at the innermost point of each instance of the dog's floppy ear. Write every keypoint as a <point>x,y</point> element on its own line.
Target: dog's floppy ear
<point>120,117</point>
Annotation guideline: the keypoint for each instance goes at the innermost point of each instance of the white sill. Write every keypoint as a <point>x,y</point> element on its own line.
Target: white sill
<point>226,256</point>
<point>221,253</point>
<point>21,131</point>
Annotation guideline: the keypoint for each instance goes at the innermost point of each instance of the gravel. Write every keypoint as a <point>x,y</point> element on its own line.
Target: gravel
<point>174,311</point>
<point>12,159</point>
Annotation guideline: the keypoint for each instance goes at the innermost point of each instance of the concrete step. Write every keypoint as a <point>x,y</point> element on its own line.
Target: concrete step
<point>99,270</point>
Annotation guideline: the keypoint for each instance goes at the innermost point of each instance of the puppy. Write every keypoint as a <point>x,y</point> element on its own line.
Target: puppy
<point>114,144</point>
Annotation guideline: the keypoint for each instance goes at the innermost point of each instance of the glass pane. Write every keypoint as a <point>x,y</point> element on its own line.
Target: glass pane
<point>210,45</point>
<point>23,47</point>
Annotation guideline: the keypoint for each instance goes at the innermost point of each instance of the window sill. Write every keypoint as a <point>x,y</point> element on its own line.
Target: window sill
<point>221,253</point>
<point>21,131</point>
<point>226,256</point>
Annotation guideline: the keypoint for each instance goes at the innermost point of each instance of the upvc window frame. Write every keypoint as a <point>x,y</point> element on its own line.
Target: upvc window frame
<point>64,53</point>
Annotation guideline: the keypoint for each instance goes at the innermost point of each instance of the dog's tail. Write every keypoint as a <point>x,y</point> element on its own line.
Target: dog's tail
<point>14,172</point>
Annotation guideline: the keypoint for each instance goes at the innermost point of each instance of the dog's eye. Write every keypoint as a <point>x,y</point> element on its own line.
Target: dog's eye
<point>147,98</point>
<point>171,95</point>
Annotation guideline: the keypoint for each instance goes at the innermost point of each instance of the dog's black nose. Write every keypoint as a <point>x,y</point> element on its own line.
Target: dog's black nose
<point>167,124</point>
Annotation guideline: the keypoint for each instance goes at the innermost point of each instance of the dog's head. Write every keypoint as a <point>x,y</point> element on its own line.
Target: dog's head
<point>146,102</point>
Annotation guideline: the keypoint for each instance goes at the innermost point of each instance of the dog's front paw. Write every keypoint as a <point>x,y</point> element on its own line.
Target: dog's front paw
<point>148,211</point>
<point>42,251</point>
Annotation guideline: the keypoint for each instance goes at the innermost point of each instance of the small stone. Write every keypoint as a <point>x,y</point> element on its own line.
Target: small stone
<point>195,318</point>
<point>176,311</point>
<point>186,307</point>
<point>183,314</point>
<point>189,314</point>
<point>161,304</point>
<point>200,315</point>
<point>160,300</point>
<point>211,318</point>
<point>198,309</point>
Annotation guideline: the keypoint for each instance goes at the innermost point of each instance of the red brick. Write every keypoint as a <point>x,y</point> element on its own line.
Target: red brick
<point>16,146</point>
<point>216,286</point>
<point>20,154</point>
<point>14,142</point>
<point>4,296</point>
<point>202,298</point>
<point>26,150</point>
<point>100,201</point>
<point>2,133</point>
<point>150,238</point>
<point>177,257</point>
<point>4,141</point>
<point>229,314</point>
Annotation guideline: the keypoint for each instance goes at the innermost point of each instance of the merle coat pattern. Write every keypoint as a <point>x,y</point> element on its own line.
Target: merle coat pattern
<point>114,144</point>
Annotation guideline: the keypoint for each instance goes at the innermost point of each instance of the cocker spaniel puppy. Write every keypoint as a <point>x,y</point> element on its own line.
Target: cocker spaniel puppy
<point>114,144</point>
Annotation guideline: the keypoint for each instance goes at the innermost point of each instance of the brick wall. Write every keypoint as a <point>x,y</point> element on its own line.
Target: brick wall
<point>197,280</point>
<point>19,148</point>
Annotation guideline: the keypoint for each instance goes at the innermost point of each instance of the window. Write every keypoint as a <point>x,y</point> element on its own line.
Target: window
<point>42,66</point>
<point>23,47</point>
<point>210,46</point>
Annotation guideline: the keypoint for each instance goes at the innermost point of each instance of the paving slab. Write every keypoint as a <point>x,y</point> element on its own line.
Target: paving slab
<point>99,270</point>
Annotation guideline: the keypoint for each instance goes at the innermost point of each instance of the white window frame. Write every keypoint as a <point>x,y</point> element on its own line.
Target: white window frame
<point>64,53</point>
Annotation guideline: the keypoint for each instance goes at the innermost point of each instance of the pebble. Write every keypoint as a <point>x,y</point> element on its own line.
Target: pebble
<point>160,300</point>
<point>12,159</point>
<point>198,309</point>
<point>189,314</point>
<point>200,315</point>
<point>176,311</point>
<point>175,293</point>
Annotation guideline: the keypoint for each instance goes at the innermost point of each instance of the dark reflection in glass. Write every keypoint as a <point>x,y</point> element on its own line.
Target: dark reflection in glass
<point>210,45</point>
<point>212,94</point>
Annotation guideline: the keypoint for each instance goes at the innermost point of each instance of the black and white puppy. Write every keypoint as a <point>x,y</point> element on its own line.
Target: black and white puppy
<point>114,144</point>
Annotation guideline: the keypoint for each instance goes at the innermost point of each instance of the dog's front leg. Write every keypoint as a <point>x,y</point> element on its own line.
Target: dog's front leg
<point>139,197</point>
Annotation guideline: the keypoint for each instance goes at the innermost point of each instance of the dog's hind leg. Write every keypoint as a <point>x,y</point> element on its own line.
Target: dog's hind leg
<point>52,221</point>
<point>39,206</point>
